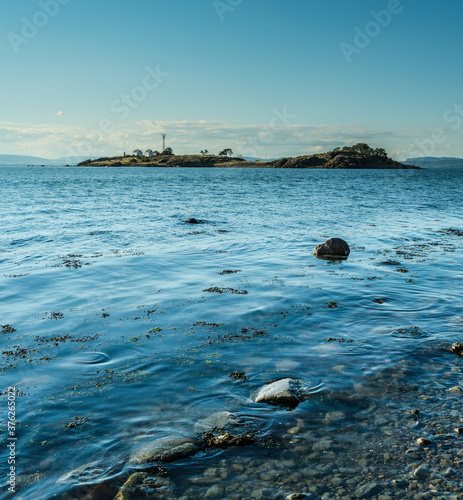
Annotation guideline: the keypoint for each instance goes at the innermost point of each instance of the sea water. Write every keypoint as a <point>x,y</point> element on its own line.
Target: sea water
<point>121,323</point>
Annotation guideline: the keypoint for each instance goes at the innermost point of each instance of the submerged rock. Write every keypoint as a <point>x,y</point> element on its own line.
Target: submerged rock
<point>367,490</point>
<point>423,441</point>
<point>421,472</point>
<point>87,473</point>
<point>142,485</point>
<point>193,221</point>
<point>163,450</point>
<point>334,248</point>
<point>299,496</point>
<point>216,420</point>
<point>390,263</point>
<point>282,392</point>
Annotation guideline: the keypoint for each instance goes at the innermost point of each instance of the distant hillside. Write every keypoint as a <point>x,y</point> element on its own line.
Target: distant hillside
<point>36,160</point>
<point>432,162</point>
<point>22,160</point>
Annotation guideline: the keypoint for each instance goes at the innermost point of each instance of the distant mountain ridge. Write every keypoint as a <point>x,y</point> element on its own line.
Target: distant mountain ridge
<point>434,162</point>
<point>36,160</point>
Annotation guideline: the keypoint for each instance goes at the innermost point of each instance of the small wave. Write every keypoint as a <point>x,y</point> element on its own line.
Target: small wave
<point>90,358</point>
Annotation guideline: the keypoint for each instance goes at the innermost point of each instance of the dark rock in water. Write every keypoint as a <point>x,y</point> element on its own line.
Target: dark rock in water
<point>390,263</point>
<point>193,221</point>
<point>334,248</point>
<point>282,392</point>
<point>163,450</point>
<point>457,348</point>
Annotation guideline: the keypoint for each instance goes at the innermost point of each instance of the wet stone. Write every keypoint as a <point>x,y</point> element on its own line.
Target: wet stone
<point>449,472</point>
<point>323,445</point>
<point>214,491</point>
<point>163,450</point>
<point>140,484</point>
<point>216,420</point>
<point>282,392</point>
<point>367,490</point>
<point>299,496</point>
<point>423,441</point>
<point>421,472</point>
<point>87,473</point>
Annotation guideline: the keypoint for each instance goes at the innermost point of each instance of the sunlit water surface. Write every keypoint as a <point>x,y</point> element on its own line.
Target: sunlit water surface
<point>116,339</point>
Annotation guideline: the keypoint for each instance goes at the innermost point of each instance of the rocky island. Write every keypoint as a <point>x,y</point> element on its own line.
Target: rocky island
<point>358,156</point>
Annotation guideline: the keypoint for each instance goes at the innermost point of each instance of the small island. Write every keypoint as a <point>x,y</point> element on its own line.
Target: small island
<point>349,157</point>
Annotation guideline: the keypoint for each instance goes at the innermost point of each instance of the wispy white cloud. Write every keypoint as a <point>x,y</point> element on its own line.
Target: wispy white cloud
<point>191,136</point>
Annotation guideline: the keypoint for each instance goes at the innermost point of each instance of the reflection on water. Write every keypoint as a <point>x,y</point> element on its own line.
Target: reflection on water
<point>122,325</point>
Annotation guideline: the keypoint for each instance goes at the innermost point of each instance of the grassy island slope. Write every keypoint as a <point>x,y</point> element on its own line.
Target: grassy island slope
<point>358,156</point>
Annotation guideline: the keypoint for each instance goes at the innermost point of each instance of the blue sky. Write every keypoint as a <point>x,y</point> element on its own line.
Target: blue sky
<point>266,78</point>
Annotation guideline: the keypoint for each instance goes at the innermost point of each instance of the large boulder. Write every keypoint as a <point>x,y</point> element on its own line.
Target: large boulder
<point>334,248</point>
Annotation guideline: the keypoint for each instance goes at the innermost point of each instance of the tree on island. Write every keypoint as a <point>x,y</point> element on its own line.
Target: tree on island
<point>167,152</point>
<point>364,149</point>
<point>226,152</point>
<point>204,152</point>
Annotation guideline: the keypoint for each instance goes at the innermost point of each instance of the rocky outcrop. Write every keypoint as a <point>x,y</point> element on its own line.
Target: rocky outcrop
<point>358,156</point>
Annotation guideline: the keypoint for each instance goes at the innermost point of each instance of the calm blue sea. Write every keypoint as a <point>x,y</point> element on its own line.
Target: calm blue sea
<point>114,330</point>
